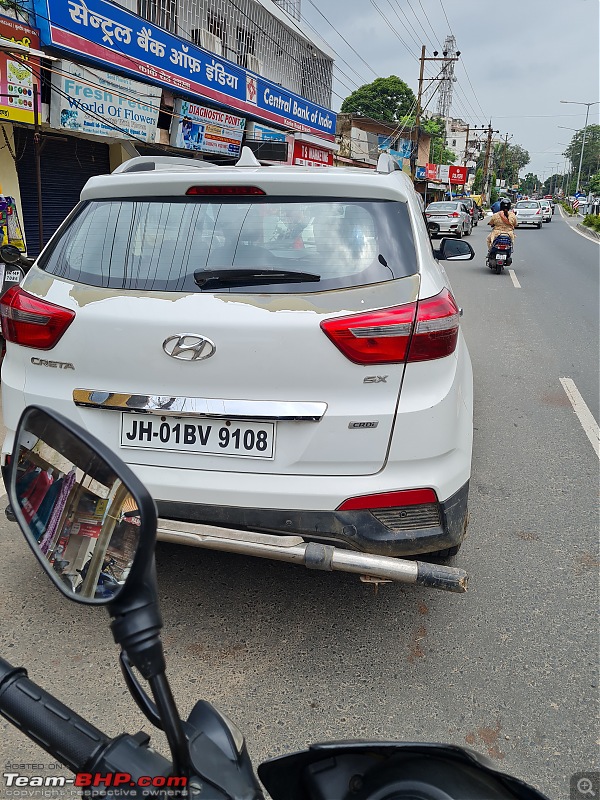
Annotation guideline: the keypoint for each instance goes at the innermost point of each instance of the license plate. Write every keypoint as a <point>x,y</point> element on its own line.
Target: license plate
<point>214,436</point>
<point>500,257</point>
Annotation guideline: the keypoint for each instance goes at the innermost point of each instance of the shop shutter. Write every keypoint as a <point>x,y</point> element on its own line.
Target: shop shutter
<point>66,165</point>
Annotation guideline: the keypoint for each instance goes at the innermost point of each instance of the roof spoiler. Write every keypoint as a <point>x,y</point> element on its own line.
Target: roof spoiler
<point>149,163</point>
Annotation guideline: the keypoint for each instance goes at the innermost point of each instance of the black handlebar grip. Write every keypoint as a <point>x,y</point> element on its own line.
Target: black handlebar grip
<point>49,723</point>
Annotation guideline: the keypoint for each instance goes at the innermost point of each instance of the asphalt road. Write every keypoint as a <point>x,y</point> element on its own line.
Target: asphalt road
<point>294,657</point>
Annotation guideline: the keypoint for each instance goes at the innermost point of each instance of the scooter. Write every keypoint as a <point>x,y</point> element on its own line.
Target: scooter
<point>500,253</point>
<point>208,755</point>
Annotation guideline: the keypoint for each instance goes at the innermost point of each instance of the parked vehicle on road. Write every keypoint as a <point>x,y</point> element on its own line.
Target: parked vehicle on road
<point>208,754</point>
<point>473,210</point>
<point>529,212</point>
<point>275,351</point>
<point>452,216</point>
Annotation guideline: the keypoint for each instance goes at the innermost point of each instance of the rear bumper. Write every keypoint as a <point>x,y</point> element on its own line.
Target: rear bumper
<point>356,530</point>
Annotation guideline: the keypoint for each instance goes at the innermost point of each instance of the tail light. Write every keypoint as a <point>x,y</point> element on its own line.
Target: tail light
<point>501,247</point>
<point>406,497</point>
<point>420,331</point>
<point>455,214</point>
<point>403,511</point>
<point>539,211</point>
<point>31,322</point>
<point>242,191</point>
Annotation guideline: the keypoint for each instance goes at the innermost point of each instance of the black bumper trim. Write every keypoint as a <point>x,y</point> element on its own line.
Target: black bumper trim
<point>356,530</point>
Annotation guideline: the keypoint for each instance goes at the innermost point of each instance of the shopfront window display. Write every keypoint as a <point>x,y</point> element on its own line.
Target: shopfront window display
<point>82,516</point>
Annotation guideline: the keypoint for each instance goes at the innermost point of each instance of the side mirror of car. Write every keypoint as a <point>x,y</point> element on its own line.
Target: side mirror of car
<point>455,250</point>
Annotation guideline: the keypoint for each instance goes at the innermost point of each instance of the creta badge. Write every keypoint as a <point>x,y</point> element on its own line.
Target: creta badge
<point>189,347</point>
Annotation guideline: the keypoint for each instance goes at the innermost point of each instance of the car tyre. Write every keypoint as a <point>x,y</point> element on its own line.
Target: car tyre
<point>459,234</point>
<point>539,225</point>
<point>449,552</point>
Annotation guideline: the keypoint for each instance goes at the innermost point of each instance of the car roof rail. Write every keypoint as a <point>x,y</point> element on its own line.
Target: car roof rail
<point>385,163</point>
<point>149,163</point>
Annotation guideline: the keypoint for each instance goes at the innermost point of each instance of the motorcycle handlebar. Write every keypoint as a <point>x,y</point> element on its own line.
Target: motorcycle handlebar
<point>49,723</point>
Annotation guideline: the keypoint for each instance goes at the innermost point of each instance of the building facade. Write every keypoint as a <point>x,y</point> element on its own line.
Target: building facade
<point>362,139</point>
<point>199,78</point>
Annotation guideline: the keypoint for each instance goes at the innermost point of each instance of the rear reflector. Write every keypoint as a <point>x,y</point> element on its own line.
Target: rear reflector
<point>406,497</point>
<point>414,332</point>
<point>31,322</point>
<point>225,190</point>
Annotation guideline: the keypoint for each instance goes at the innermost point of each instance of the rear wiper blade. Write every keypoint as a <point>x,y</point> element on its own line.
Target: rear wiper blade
<point>209,279</point>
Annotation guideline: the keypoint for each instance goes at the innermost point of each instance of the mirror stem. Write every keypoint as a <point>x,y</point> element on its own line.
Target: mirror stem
<point>171,724</point>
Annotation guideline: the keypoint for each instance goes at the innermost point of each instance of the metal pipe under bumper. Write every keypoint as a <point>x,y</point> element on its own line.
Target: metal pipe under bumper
<point>312,555</point>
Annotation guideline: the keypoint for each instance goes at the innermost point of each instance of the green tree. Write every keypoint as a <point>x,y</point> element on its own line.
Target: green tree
<point>529,183</point>
<point>478,182</point>
<point>591,153</point>
<point>552,184</point>
<point>506,160</point>
<point>385,99</point>
<point>595,183</point>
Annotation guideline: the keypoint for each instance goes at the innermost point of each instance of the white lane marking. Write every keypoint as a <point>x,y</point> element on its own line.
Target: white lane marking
<point>588,423</point>
<point>515,280</point>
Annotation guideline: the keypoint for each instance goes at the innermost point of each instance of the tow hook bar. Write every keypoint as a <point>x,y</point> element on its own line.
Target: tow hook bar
<point>313,555</point>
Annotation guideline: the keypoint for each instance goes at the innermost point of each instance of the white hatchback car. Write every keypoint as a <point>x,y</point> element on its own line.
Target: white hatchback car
<point>546,210</point>
<point>273,350</point>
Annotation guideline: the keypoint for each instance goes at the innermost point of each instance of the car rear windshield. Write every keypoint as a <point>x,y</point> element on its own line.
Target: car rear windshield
<point>528,204</point>
<point>159,244</point>
<point>442,207</point>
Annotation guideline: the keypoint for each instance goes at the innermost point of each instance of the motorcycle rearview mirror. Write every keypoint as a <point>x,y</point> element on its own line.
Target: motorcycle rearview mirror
<point>84,515</point>
<point>92,525</point>
<point>11,255</point>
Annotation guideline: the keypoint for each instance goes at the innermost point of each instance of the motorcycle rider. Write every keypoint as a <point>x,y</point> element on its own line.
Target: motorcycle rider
<point>504,221</point>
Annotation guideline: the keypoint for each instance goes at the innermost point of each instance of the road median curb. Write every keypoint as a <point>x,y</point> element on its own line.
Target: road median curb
<point>588,231</point>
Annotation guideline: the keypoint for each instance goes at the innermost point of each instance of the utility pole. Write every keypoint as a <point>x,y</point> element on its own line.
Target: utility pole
<point>486,165</point>
<point>504,151</point>
<point>466,147</point>
<point>422,61</point>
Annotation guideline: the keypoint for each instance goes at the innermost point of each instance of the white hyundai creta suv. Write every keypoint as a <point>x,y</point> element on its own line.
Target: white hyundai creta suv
<point>275,351</point>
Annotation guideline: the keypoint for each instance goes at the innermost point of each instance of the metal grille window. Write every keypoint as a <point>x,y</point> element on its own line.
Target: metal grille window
<point>245,46</point>
<point>281,52</point>
<point>159,12</point>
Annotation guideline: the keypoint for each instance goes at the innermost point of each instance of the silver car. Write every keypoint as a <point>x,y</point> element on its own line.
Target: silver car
<point>451,216</point>
<point>529,212</point>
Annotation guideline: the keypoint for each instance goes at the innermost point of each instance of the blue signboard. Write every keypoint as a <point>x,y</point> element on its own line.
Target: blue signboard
<point>420,173</point>
<point>403,146</point>
<point>103,32</point>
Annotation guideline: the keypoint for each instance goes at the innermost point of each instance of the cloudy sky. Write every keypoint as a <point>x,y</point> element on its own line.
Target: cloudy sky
<point>518,60</point>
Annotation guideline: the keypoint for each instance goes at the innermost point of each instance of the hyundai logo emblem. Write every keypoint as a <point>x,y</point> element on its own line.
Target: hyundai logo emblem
<point>189,347</point>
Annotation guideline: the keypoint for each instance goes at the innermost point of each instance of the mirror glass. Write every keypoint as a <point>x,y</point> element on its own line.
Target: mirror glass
<point>456,250</point>
<point>10,254</point>
<point>81,520</point>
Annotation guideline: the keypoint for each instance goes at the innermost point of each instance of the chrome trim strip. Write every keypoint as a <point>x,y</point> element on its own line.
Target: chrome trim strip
<point>199,406</point>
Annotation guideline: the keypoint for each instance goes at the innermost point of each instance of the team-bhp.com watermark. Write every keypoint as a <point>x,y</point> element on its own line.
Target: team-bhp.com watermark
<point>48,786</point>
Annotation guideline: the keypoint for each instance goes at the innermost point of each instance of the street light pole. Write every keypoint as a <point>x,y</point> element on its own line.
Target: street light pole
<point>587,113</point>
